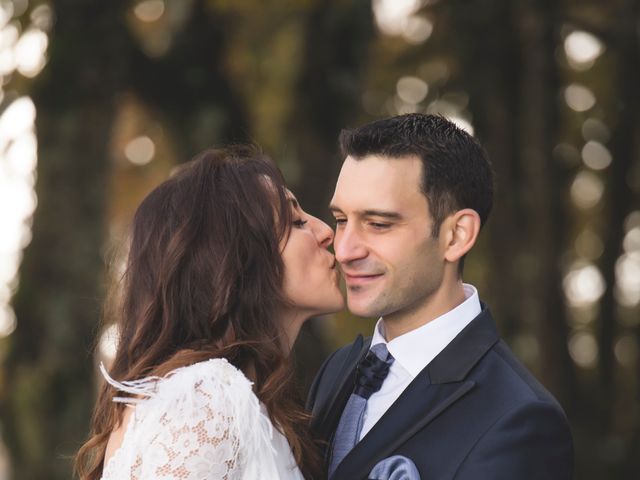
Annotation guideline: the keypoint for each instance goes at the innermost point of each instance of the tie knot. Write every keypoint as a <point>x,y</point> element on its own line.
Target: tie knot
<point>372,371</point>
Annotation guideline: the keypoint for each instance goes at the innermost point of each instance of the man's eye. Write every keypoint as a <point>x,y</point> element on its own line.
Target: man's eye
<point>380,226</point>
<point>299,223</point>
<point>340,221</point>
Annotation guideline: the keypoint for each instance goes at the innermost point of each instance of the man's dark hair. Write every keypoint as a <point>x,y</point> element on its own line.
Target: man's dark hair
<point>456,173</point>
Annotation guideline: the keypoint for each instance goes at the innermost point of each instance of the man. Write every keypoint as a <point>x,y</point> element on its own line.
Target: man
<point>437,394</point>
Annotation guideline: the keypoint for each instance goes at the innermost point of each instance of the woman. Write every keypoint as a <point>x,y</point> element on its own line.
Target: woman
<point>224,268</point>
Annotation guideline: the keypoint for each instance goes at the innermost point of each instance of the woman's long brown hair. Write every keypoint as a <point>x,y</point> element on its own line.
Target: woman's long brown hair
<point>204,280</point>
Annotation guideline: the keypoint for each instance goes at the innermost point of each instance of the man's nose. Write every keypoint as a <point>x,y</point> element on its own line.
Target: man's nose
<point>349,245</point>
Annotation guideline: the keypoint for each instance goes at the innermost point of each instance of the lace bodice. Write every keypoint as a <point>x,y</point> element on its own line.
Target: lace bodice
<point>200,422</point>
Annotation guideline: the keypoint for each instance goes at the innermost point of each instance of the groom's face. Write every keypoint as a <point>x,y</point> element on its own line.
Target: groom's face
<point>391,263</point>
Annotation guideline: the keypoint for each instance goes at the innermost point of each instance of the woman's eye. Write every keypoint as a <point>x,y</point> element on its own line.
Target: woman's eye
<point>299,223</point>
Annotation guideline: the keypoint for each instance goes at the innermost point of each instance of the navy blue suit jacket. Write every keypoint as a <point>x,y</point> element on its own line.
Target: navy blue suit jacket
<point>474,413</point>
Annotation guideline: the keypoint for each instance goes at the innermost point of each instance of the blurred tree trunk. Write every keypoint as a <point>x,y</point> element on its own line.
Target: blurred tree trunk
<point>190,87</point>
<point>512,76</point>
<point>546,184</point>
<point>328,99</point>
<point>329,93</point>
<point>620,202</point>
<point>491,74</point>
<point>46,396</point>
<point>618,195</point>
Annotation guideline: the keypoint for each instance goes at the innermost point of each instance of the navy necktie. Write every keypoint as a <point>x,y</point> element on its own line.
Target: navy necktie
<point>370,375</point>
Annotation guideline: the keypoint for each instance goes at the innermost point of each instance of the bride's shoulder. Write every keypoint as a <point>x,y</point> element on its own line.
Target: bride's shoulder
<point>211,379</point>
<point>214,385</point>
<point>213,395</point>
<point>213,369</point>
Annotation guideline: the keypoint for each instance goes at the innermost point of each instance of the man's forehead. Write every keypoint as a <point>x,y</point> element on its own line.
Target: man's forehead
<point>378,183</point>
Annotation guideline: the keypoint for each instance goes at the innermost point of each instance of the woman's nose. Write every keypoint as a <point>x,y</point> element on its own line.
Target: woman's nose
<point>323,233</point>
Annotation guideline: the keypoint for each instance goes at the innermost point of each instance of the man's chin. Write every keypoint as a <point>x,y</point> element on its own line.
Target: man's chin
<point>361,301</point>
<point>361,310</point>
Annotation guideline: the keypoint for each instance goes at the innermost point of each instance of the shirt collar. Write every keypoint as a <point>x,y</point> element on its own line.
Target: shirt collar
<point>415,349</point>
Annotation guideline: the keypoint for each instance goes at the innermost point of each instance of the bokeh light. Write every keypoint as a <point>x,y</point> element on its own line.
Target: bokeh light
<point>140,150</point>
<point>586,190</point>
<point>583,284</point>
<point>149,10</point>
<point>7,321</point>
<point>462,123</point>
<point>412,89</point>
<point>595,155</point>
<point>628,279</point>
<point>417,29</point>
<point>579,98</point>
<point>108,343</point>
<point>399,18</point>
<point>18,201</point>
<point>454,111</point>
<point>567,154</point>
<point>9,36</point>
<point>632,220</point>
<point>42,17</point>
<point>30,52</point>
<point>582,49</point>
<point>627,267</point>
<point>631,242</point>
<point>595,129</point>
<point>22,50</point>
<point>583,349</point>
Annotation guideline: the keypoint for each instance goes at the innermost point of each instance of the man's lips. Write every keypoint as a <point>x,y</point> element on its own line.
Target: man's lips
<point>360,278</point>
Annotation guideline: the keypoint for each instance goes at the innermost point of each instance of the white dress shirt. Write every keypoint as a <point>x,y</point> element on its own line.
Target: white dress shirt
<point>414,350</point>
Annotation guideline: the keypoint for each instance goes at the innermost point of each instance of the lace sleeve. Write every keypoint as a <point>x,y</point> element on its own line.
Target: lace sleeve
<point>203,422</point>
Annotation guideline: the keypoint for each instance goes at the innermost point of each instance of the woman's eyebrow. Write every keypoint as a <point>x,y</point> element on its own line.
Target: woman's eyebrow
<point>294,203</point>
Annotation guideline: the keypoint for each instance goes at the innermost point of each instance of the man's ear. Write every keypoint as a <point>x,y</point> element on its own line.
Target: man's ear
<point>462,229</point>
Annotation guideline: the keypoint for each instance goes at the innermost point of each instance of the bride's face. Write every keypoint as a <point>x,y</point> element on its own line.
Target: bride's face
<point>311,280</point>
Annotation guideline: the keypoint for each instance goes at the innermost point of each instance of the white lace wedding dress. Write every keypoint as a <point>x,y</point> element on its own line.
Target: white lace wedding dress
<point>200,422</point>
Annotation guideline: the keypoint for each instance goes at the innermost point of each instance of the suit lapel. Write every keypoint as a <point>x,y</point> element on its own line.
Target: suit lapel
<point>327,414</point>
<point>403,419</point>
<point>442,383</point>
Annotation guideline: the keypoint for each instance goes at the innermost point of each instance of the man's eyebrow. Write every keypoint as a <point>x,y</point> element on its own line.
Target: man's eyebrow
<point>381,213</point>
<point>371,213</point>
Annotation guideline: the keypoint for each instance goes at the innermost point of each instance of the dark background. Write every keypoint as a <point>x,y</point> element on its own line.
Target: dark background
<point>130,89</point>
